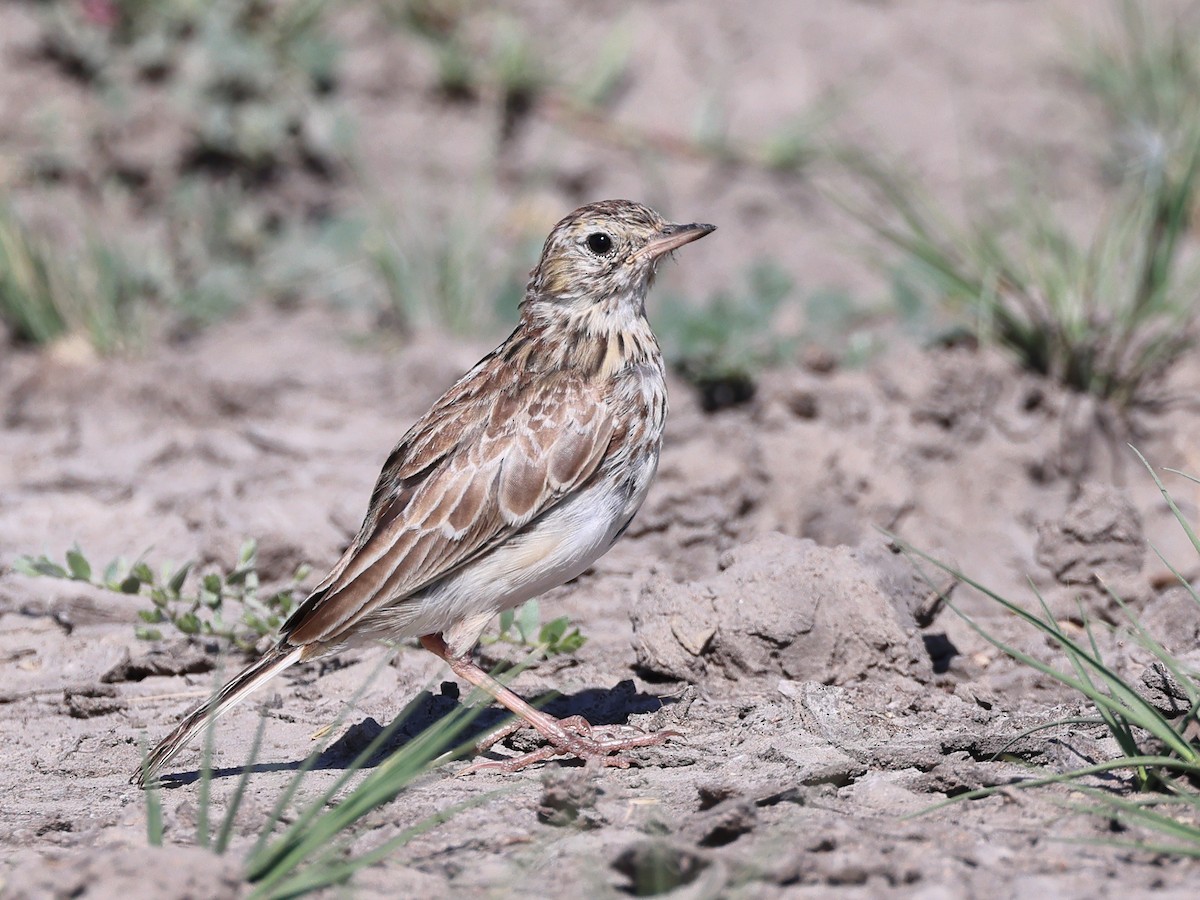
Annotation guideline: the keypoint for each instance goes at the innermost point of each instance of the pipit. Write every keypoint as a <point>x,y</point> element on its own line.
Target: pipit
<point>521,476</point>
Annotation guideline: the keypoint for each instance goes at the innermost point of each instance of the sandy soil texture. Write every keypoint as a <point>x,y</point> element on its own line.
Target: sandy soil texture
<point>822,689</point>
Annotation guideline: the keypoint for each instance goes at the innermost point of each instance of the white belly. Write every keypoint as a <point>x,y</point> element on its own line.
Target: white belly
<point>552,550</point>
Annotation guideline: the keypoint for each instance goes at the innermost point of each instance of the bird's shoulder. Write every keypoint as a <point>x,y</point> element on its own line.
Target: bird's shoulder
<point>502,411</point>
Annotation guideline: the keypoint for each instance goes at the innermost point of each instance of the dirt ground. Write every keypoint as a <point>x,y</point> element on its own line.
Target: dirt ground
<point>754,606</point>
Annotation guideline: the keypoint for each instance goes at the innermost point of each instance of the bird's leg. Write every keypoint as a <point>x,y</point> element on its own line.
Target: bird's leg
<point>568,737</point>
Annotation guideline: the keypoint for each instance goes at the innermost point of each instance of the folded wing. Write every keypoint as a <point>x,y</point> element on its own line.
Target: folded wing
<point>461,481</point>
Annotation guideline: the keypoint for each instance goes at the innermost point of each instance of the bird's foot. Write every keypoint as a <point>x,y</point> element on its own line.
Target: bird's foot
<point>575,736</point>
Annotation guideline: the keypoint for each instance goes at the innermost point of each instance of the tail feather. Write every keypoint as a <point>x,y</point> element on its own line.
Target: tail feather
<point>234,692</point>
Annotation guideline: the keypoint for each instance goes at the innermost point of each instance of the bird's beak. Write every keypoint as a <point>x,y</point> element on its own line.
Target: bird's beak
<point>674,236</point>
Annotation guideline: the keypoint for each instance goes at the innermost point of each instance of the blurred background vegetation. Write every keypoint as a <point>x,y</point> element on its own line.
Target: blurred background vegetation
<point>220,132</point>
<point>179,161</point>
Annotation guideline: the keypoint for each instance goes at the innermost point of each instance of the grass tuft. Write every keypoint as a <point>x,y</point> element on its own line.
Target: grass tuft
<point>47,294</point>
<point>1108,317</point>
<point>1158,752</point>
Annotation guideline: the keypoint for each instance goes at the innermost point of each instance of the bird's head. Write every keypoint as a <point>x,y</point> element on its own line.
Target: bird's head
<point>606,253</point>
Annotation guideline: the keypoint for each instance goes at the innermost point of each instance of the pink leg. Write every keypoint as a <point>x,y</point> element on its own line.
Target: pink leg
<point>572,736</point>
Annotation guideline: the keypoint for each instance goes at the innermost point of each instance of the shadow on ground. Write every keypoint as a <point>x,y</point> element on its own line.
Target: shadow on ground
<point>600,706</point>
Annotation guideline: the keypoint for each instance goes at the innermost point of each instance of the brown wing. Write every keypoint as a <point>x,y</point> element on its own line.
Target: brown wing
<point>464,478</point>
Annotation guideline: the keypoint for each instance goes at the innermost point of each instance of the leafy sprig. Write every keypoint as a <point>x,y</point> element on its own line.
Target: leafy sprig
<point>524,628</point>
<point>227,606</point>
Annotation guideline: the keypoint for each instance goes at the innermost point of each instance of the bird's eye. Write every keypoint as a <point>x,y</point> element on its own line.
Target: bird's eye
<point>599,243</point>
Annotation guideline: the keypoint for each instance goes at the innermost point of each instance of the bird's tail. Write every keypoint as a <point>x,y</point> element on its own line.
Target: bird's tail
<point>238,689</point>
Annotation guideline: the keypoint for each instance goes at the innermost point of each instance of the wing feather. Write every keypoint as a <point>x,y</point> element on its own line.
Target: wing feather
<point>461,481</point>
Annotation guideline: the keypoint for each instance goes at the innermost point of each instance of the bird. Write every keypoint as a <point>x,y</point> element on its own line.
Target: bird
<point>525,472</point>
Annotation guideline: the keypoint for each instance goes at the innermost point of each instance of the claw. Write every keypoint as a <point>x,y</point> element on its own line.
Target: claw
<point>584,744</point>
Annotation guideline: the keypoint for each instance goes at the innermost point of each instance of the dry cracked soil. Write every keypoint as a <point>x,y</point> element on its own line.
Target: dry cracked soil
<point>825,693</point>
<point>822,689</point>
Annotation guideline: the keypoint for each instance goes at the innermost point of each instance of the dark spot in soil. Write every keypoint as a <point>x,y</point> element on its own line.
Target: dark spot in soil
<point>712,794</point>
<point>53,825</point>
<point>518,104</point>
<point>730,821</point>
<point>178,659</point>
<point>803,405</point>
<point>787,795</point>
<point>941,651</point>
<point>724,392</point>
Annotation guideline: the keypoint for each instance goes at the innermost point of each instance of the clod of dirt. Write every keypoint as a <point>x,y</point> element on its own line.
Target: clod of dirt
<point>1163,691</point>
<point>356,738</point>
<point>713,793</point>
<point>566,793</point>
<point>1174,618</point>
<point>782,606</point>
<point>180,658</point>
<point>961,397</point>
<point>726,822</point>
<point>86,702</point>
<point>170,873</point>
<point>1096,547</point>
<point>1099,537</point>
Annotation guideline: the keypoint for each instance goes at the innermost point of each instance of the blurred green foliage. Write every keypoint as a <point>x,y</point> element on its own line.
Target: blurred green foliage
<point>218,133</point>
<point>253,79</point>
<point>722,344</point>
<point>46,294</point>
<point>247,135</point>
<point>1107,316</point>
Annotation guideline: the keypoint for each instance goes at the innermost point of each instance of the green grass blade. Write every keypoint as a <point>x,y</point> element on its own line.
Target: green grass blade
<point>1122,699</point>
<point>204,795</point>
<point>1169,763</point>
<point>285,797</point>
<point>306,839</point>
<point>322,876</point>
<point>1175,511</point>
<point>154,817</point>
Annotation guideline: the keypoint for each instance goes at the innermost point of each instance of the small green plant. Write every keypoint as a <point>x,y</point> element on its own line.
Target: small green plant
<point>1159,751</point>
<point>225,606</point>
<point>524,628</point>
<point>723,345</point>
